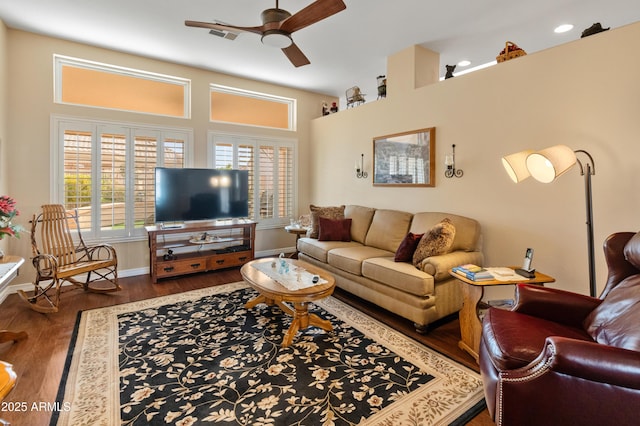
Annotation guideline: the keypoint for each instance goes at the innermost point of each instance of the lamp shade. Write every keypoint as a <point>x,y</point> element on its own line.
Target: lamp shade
<point>546,165</point>
<point>516,165</point>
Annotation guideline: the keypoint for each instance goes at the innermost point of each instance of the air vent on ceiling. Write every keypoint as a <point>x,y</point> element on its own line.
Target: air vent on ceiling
<point>229,35</point>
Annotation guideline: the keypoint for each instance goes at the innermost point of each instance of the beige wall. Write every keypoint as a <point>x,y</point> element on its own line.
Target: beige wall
<point>585,94</point>
<point>3,117</point>
<point>28,140</point>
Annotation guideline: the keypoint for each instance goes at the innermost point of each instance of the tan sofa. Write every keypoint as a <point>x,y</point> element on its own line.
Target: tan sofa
<point>365,265</point>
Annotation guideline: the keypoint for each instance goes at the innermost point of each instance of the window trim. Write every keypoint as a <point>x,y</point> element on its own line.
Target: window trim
<point>290,102</point>
<point>272,223</point>
<point>56,183</point>
<point>59,61</point>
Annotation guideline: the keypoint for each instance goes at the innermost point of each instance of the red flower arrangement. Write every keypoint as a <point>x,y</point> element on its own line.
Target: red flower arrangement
<point>8,211</point>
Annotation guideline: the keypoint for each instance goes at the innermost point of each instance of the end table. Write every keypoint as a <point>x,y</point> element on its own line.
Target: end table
<point>472,292</point>
<point>298,231</point>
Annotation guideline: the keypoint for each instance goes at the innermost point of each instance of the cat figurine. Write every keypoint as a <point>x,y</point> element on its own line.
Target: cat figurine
<point>450,69</point>
<point>594,29</point>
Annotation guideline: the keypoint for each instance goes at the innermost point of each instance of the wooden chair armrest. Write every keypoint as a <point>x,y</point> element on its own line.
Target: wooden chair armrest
<point>101,252</point>
<point>45,264</point>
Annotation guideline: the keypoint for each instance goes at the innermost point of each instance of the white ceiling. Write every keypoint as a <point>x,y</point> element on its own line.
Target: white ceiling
<point>347,49</point>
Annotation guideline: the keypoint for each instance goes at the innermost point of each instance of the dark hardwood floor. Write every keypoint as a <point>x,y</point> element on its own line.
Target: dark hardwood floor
<point>39,360</point>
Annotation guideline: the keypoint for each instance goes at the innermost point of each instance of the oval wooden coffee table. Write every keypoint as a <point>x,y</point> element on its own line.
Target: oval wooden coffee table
<point>274,293</point>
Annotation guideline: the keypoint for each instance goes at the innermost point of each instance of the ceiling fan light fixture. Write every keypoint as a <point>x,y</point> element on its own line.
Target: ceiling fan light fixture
<point>277,38</point>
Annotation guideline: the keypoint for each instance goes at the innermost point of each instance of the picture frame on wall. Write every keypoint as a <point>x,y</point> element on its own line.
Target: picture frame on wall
<point>405,159</point>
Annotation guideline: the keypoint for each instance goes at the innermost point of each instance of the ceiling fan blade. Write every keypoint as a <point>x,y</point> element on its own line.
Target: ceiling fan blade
<point>223,27</point>
<point>295,55</point>
<point>311,14</point>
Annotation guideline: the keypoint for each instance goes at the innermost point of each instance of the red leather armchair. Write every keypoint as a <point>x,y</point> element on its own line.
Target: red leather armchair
<point>561,358</point>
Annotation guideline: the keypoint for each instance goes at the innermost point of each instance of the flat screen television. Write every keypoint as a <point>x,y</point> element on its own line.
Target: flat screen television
<point>184,194</point>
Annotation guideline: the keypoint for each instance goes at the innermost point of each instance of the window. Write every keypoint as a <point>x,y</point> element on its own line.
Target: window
<point>80,82</point>
<point>272,168</point>
<point>106,171</point>
<point>238,106</point>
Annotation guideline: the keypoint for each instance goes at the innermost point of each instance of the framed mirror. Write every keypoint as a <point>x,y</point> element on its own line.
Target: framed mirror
<point>405,159</point>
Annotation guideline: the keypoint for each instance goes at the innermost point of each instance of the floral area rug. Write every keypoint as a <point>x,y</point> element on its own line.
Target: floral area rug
<point>201,358</point>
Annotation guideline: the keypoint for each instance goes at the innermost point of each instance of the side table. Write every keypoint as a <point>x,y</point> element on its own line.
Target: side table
<point>472,293</point>
<point>9,268</point>
<point>298,231</point>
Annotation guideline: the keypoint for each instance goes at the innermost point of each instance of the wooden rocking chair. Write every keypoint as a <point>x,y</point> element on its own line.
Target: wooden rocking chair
<point>58,259</point>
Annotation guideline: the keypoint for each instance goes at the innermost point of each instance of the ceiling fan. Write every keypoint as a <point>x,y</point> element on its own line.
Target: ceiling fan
<point>278,25</point>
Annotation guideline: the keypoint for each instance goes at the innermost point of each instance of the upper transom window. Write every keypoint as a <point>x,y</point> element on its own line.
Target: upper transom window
<point>93,84</point>
<point>230,105</point>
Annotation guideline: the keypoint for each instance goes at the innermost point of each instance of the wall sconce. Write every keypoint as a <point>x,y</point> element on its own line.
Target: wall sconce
<point>360,173</point>
<point>547,165</point>
<point>450,162</point>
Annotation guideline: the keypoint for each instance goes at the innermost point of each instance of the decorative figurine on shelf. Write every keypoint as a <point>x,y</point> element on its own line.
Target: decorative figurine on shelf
<point>510,51</point>
<point>382,86</point>
<point>594,29</point>
<point>334,107</point>
<point>450,69</point>
<point>325,109</point>
<point>354,96</point>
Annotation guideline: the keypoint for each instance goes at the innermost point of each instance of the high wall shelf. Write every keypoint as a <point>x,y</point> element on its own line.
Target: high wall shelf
<point>199,247</point>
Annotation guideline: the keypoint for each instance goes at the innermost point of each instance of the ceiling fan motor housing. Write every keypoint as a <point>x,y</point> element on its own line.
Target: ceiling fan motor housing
<point>274,16</point>
<point>272,34</point>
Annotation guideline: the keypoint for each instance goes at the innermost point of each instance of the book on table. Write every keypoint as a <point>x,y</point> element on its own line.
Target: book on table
<point>473,272</point>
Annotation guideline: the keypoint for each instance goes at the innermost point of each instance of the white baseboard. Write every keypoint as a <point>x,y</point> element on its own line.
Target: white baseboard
<point>13,288</point>
<point>275,252</point>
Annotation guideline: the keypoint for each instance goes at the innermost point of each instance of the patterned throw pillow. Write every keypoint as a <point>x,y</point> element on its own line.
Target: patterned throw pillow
<point>438,240</point>
<point>328,212</point>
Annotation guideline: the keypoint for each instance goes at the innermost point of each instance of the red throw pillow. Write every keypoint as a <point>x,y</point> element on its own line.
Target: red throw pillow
<point>334,229</point>
<point>407,247</point>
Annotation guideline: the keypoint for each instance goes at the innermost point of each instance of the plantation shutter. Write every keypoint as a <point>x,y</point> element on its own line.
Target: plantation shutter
<point>77,174</point>
<point>145,159</point>
<point>246,162</point>
<point>271,166</point>
<point>112,189</point>
<point>266,183</point>
<point>285,181</point>
<point>107,172</point>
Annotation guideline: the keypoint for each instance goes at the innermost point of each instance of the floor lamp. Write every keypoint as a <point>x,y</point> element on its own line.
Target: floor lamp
<point>546,166</point>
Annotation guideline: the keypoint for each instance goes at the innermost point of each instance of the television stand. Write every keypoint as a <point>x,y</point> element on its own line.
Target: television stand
<point>172,226</point>
<point>199,247</point>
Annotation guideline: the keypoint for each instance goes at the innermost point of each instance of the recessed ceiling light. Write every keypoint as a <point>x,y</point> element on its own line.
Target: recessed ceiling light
<point>563,28</point>
<point>464,63</point>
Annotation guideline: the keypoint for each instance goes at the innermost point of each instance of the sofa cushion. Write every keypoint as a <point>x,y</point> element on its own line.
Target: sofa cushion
<point>401,275</point>
<point>438,240</point>
<point>350,259</point>
<point>467,230</point>
<point>334,229</point>
<point>320,249</point>
<point>407,247</point>
<point>615,321</point>
<point>388,229</point>
<point>360,221</point>
<point>336,212</point>
<point>514,339</point>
